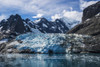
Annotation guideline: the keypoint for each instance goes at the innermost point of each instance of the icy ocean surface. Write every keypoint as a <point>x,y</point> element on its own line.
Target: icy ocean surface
<point>45,60</point>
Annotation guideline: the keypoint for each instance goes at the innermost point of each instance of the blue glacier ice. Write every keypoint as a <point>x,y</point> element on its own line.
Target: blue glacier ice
<point>51,43</point>
<point>42,43</point>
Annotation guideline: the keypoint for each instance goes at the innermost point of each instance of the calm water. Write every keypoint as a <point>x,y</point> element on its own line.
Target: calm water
<point>45,60</point>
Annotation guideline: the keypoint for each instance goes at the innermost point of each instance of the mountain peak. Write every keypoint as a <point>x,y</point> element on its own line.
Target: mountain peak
<point>43,19</point>
<point>91,21</point>
<point>91,11</point>
<point>40,20</point>
<point>15,24</point>
<point>18,25</point>
<point>57,20</point>
<point>15,18</point>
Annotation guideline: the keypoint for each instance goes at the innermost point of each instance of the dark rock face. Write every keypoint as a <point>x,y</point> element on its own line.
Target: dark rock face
<point>92,45</point>
<point>90,26</point>
<point>2,46</point>
<point>46,26</point>
<point>14,24</point>
<point>91,11</point>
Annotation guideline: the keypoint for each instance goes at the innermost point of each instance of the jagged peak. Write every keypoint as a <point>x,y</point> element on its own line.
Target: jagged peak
<point>41,20</point>
<point>16,16</point>
<point>57,20</point>
<point>91,11</point>
<point>27,20</point>
<point>4,20</point>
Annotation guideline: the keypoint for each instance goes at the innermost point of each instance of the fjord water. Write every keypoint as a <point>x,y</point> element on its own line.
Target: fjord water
<point>53,60</point>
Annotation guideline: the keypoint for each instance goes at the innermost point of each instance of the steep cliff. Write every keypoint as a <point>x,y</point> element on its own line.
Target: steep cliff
<point>91,21</point>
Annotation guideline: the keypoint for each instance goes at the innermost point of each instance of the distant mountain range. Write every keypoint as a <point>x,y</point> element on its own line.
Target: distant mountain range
<point>16,25</point>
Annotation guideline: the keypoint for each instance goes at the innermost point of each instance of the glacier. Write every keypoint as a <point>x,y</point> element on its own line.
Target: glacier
<point>42,43</point>
<point>51,43</point>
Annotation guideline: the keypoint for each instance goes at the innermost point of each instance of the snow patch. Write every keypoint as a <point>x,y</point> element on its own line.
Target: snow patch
<point>70,23</point>
<point>53,27</point>
<point>87,20</point>
<point>3,41</point>
<point>35,30</point>
<point>44,25</point>
<point>98,14</point>
<point>8,31</point>
<point>1,28</point>
<point>32,29</point>
<point>13,43</point>
<point>37,21</point>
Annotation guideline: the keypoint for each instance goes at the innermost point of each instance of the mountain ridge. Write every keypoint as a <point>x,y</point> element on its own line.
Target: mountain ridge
<point>91,24</point>
<point>15,24</point>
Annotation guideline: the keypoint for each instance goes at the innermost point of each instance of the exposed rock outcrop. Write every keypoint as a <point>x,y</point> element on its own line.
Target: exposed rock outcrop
<point>46,26</point>
<point>14,24</point>
<point>91,11</point>
<point>91,21</point>
<point>90,26</point>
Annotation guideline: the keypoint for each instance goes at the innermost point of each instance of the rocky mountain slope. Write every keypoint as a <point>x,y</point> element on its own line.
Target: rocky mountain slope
<point>91,11</point>
<point>16,25</point>
<point>90,26</point>
<point>91,21</point>
<point>70,23</point>
<point>46,26</point>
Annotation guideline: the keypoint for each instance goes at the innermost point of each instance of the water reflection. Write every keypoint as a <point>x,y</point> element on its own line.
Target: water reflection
<point>44,60</point>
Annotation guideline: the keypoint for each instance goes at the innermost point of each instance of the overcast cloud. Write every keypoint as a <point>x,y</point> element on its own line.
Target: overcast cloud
<point>44,8</point>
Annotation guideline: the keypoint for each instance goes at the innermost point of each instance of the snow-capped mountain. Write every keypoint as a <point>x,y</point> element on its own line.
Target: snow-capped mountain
<point>46,26</point>
<point>70,23</point>
<point>16,25</point>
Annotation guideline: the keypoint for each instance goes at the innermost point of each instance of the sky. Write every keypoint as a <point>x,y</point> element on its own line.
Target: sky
<point>50,9</point>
